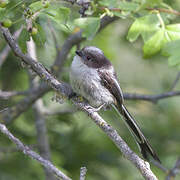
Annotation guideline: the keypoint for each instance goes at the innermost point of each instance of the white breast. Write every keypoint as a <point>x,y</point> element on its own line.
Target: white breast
<point>86,82</point>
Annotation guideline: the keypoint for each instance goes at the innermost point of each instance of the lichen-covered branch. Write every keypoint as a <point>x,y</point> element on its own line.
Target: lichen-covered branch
<point>26,150</point>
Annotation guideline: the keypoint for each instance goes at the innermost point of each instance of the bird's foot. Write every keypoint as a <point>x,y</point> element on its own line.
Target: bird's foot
<point>95,109</point>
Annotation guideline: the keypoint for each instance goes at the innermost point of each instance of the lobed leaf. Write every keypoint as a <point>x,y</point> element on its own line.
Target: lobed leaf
<point>144,26</point>
<point>154,44</point>
<point>89,25</point>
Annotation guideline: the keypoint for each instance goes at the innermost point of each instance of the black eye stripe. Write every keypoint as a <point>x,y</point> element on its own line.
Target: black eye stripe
<point>88,57</point>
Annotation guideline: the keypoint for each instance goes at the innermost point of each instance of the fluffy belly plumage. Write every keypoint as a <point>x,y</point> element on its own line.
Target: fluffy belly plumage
<point>86,82</point>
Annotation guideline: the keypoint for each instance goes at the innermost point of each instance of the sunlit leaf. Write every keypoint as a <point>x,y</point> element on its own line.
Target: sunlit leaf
<point>109,3</point>
<point>89,25</point>
<point>154,44</point>
<point>173,31</point>
<point>128,6</point>
<point>36,6</point>
<point>172,49</point>
<point>144,26</point>
<point>59,15</point>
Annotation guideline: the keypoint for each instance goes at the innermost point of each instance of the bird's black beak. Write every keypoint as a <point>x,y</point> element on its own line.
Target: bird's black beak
<point>79,53</point>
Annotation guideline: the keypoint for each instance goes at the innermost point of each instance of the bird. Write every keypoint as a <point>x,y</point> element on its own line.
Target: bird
<point>92,76</point>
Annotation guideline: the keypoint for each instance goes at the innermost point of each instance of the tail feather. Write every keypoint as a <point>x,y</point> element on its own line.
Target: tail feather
<point>142,142</point>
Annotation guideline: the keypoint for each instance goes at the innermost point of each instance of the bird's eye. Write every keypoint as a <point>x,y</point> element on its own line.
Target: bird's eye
<point>88,57</point>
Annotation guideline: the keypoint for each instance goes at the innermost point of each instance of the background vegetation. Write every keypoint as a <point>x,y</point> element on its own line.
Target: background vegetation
<point>145,65</point>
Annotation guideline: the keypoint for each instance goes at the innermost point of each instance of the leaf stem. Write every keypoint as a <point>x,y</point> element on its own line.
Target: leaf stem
<point>161,20</point>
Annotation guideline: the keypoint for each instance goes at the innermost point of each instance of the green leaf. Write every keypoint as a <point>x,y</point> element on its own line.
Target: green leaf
<point>89,25</point>
<point>60,15</point>
<point>173,31</point>
<point>144,26</point>
<point>128,6</point>
<point>23,38</point>
<point>174,60</point>
<point>172,49</point>
<point>2,13</point>
<point>36,6</point>
<point>154,44</point>
<point>40,37</point>
<point>63,13</point>
<point>109,3</point>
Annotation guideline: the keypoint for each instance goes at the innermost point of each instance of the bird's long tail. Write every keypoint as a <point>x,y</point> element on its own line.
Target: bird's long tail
<point>142,142</point>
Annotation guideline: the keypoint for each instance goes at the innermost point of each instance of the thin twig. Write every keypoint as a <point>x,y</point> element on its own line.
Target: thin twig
<point>8,94</point>
<point>152,98</point>
<point>27,151</point>
<point>5,51</point>
<point>160,166</point>
<point>174,171</point>
<point>175,81</point>
<point>168,11</point>
<point>13,112</point>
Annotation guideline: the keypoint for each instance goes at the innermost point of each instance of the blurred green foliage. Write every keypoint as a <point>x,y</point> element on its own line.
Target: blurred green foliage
<point>75,140</point>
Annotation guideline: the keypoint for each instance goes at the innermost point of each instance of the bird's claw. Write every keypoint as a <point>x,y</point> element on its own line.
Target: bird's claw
<point>95,109</point>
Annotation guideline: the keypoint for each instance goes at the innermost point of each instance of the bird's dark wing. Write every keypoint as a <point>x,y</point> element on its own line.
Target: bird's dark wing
<point>109,80</point>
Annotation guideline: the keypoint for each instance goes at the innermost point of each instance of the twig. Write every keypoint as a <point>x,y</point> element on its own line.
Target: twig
<point>65,90</point>
<point>83,172</point>
<point>174,171</point>
<point>5,51</point>
<point>8,94</point>
<point>175,81</point>
<point>160,166</point>
<point>153,98</point>
<point>169,11</point>
<point>27,151</point>
<point>13,112</point>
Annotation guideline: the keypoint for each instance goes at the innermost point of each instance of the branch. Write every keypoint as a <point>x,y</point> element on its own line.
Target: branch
<point>141,165</point>
<point>174,171</point>
<point>13,112</point>
<point>175,81</point>
<point>65,90</point>
<point>27,151</point>
<point>168,11</point>
<point>8,94</point>
<point>83,172</point>
<point>153,98</point>
<point>160,166</point>
<point>6,50</point>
